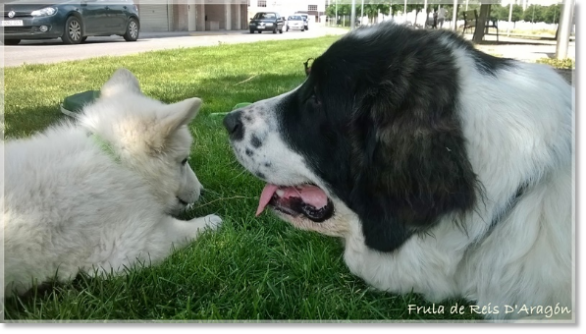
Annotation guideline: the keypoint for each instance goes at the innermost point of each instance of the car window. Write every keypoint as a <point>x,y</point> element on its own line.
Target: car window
<point>264,16</point>
<point>295,18</point>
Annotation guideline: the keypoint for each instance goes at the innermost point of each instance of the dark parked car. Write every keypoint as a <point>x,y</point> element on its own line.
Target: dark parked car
<point>71,20</point>
<point>266,21</point>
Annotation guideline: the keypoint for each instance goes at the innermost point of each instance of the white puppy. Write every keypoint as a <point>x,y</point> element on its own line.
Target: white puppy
<point>98,195</point>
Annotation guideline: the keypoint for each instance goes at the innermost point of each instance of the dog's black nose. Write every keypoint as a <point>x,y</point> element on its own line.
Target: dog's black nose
<point>233,123</point>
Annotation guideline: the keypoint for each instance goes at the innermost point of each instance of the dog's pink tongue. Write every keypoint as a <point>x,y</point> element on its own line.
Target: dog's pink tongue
<point>309,194</point>
<point>265,197</point>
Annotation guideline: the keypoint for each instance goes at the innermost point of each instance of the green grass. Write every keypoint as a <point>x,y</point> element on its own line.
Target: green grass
<point>251,268</point>
<point>567,63</point>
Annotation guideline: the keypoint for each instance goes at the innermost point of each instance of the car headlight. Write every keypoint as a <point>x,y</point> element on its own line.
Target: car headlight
<point>49,11</point>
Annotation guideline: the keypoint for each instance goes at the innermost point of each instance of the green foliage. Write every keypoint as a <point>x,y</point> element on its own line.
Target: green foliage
<point>370,10</point>
<point>552,13</point>
<point>534,13</point>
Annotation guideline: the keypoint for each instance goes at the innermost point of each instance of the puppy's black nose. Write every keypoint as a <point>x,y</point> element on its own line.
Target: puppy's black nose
<point>233,123</point>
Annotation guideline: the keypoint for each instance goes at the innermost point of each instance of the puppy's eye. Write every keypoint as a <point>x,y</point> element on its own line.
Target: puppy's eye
<point>184,162</point>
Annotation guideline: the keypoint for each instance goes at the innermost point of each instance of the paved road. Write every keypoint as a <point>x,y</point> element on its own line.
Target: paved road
<point>52,51</point>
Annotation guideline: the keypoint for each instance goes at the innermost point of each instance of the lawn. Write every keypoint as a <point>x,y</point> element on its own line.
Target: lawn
<point>251,268</point>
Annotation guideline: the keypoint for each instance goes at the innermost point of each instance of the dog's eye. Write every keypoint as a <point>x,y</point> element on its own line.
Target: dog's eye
<point>184,161</point>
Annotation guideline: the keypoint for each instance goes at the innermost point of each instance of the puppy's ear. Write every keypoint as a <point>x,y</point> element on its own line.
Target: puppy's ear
<point>175,115</point>
<point>411,167</point>
<point>122,81</point>
<point>171,117</point>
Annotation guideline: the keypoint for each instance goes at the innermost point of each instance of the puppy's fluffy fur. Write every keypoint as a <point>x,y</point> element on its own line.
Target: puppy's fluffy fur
<point>449,170</point>
<point>98,195</point>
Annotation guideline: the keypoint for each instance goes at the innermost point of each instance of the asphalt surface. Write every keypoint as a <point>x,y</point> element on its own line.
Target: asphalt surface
<point>53,51</point>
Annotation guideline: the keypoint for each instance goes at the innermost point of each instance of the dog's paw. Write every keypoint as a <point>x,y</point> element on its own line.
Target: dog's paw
<point>213,222</point>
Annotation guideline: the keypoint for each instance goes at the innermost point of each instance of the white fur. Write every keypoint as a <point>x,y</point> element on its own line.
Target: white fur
<point>518,129</point>
<point>71,206</point>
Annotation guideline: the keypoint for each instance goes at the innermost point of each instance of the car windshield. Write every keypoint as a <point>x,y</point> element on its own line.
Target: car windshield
<point>295,18</point>
<point>264,16</point>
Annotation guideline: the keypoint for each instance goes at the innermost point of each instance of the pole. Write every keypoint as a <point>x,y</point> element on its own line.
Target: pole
<point>455,15</point>
<point>466,5</point>
<point>565,27</point>
<point>353,15</point>
<point>362,12</point>
<point>336,13</point>
<point>425,12</point>
<point>405,10</point>
<point>510,18</point>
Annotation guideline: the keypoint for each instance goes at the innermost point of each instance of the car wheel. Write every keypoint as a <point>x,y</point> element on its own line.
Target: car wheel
<point>287,28</point>
<point>83,39</point>
<point>132,28</point>
<point>302,29</point>
<point>11,41</point>
<point>251,31</point>
<point>260,31</point>
<point>73,31</point>
<point>281,31</point>
<point>274,30</point>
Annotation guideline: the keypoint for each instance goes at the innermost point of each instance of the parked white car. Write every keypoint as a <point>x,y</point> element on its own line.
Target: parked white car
<point>295,22</point>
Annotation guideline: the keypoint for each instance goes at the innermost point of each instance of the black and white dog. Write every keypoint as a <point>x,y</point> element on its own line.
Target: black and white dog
<point>447,171</point>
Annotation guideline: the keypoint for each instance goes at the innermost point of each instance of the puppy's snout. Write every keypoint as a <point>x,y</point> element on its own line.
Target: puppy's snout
<point>233,123</point>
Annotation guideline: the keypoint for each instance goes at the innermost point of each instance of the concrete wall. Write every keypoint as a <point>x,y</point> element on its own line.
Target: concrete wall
<point>215,13</point>
<point>244,17</point>
<point>180,17</point>
<point>200,23</point>
<point>228,16</point>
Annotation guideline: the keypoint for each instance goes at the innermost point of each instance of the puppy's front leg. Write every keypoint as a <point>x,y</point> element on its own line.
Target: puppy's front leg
<point>179,233</point>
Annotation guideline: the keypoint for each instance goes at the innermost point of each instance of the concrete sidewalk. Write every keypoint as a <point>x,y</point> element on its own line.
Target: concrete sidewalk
<point>529,50</point>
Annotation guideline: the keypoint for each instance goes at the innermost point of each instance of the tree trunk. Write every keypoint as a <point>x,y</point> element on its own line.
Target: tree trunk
<point>481,23</point>
<point>415,22</point>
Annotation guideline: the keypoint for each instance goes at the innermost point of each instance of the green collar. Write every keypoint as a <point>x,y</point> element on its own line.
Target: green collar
<point>105,147</point>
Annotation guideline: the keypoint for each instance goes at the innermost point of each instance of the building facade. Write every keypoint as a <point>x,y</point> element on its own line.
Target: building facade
<point>315,9</point>
<point>192,15</point>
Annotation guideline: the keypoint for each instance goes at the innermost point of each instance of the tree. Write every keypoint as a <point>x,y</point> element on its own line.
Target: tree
<point>342,10</point>
<point>397,6</point>
<point>479,30</point>
<point>499,13</point>
<point>517,13</point>
<point>552,14</point>
<point>533,14</point>
<point>417,8</point>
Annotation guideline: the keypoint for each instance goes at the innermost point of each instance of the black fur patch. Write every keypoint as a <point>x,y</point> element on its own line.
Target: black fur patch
<point>378,120</point>
<point>255,141</point>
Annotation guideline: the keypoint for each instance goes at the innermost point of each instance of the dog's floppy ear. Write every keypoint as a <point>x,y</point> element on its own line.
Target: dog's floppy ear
<point>411,167</point>
<point>122,81</point>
